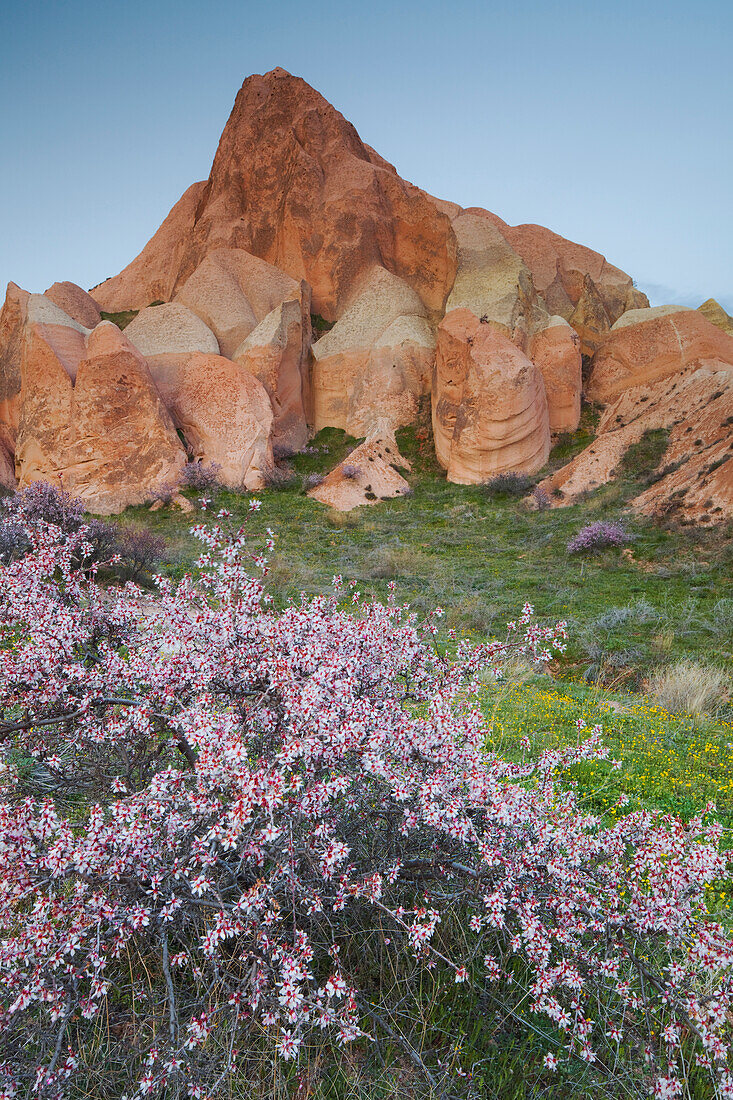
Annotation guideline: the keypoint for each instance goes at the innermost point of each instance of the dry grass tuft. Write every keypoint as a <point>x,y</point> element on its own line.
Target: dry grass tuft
<point>690,688</point>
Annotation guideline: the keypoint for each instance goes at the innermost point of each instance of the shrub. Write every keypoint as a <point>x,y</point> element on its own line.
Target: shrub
<point>138,553</point>
<point>103,540</point>
<point>541,498</point>
<point>256,814</point>
<point>202,477</point>
<point>312,481</point>
<point>26,509</point>
<point>41,502</point>
<point>509,485</point>
<point>349,471</point>
<point>14,540</point>
<point>278,478</point>
<point>166,493</point>
<point>598,536</point>
<point>689,688</point>
<point>640,612</point>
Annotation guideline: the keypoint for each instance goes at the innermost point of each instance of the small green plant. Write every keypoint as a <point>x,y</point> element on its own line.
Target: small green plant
<point>508,485</point>
<point>121,318</point>
<point>320,324</point>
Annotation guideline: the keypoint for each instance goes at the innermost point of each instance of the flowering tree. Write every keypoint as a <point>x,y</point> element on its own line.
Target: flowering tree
<point>205,802</point>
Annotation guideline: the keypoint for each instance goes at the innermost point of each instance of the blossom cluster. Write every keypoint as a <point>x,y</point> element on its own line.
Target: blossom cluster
<point>227,793</point>
<point>599,536</point>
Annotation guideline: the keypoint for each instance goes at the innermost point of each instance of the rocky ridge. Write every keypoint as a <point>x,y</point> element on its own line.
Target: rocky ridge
<point>502,329</point>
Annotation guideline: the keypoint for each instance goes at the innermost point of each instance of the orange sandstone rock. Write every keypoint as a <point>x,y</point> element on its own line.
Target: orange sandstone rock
<point>223,411</point>
<point>371,369</point>
<point>559,268</point>
<point>75,302</point>
<point>367,475</point>
<point>695,477</point>
<point>12,328</point>
<point>293,183</point>
<point>659,344</point>
<point>276,352</point>
<point>555,351</point>
<point>489,405</point>
<point>100,430</point>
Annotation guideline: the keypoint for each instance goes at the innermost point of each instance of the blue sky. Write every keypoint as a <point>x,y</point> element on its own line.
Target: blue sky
<point>610,123</point>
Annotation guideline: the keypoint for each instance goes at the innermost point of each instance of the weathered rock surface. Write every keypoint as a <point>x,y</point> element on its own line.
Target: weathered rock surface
<point>103,434</point>
<point>555,351</point>
<point>293,184</point>
<point>372,367</point>
<point>75,302</point>
<point>170,329</point>
<point>492,279</point>
<point>636,316</point>
<point>276,353</point>
<point>232,291</point>
<point>12,329</point>
<point>26,316</point>
<point>369,474</point>
<point>657,345</point>
<point>559,269</point>
<point>695,476</point>
<point>713,312</point>
<point>489,405</point>
<point>223,411</point>
<point>590,318</point>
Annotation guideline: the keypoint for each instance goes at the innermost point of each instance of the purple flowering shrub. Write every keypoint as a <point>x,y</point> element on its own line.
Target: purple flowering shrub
<point>599,536</point>
<point>203,477</point>
<point>41,502</point>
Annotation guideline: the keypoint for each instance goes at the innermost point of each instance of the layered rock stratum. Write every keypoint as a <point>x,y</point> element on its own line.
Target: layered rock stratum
<point>306,285</point>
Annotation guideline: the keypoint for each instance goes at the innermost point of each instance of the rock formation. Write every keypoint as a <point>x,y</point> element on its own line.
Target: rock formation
<point>12,331</point>
<point>170,330</point>
<point>713,311</point>
<point>662,368</point>
<point>75,302</point>
<point>695,476</point>
<point>654,344</point>
<point>371,369</point>
<point>293,183</point>
<point>412,297</point>
<point>223,412</point>
<point>489,406</point>
<point>560,269</point>
<point>276,352</point>
<point>100,430</point>
<point>369,474</point>
<point>555,350</point>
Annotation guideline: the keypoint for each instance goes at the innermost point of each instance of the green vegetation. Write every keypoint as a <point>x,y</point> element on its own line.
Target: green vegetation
<point>667,596</point>
<point>121,319</point>
<point>320,324</point>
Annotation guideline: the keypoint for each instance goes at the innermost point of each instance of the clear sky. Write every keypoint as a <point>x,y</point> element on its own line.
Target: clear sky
<point>611,122</point>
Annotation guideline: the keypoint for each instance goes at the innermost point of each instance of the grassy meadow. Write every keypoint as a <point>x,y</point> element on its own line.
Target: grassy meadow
<point>480,555</point>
